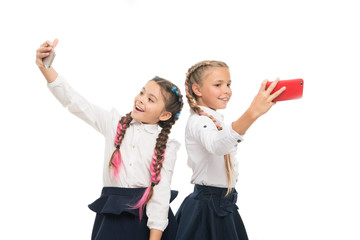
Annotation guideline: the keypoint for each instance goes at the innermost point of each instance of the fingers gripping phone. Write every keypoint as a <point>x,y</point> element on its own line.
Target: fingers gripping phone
<point>294,89</point>
<point>49,59</point>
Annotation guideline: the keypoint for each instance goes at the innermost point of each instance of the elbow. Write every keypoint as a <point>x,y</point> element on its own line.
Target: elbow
<point>222,152</point>
<point>218,149</point>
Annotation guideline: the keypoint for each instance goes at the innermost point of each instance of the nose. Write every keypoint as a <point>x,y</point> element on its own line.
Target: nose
<point>142,98</point>
<point>139,98</point>
<point>227,91</point>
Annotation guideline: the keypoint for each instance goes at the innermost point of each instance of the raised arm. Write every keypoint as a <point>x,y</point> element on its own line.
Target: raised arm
<point>95,116</point>
<point>262,103</point>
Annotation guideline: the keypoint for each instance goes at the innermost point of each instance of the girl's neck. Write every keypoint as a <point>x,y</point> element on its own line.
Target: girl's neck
<point>144,123</point>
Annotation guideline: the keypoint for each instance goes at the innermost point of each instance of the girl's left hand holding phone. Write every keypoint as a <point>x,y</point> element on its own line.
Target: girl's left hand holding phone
<point>263,101</point>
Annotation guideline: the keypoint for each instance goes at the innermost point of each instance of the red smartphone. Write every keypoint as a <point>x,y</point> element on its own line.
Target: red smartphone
<point>294,89</point>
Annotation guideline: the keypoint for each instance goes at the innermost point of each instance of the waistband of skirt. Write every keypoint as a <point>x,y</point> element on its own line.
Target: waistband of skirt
<point>122,191</point>
<point>131,192</point>
<point>212,190</point>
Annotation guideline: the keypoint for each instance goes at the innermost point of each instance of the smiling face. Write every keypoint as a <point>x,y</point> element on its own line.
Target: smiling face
<point>214,91</point>
<point>149,105</point>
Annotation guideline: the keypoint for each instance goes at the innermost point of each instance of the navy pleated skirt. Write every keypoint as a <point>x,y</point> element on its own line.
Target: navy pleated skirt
<point>206,214</point>
<point>115,220</point>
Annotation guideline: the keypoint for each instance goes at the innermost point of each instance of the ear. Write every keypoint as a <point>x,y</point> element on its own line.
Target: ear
<point>196,89</point>
<point>165,116</point>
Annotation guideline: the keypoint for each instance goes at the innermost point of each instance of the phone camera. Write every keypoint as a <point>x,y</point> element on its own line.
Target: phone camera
<point>301,83</point>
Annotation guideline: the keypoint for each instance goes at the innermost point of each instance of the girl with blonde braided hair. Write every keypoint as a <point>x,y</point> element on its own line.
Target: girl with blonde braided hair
<point>139,158</point>
<point>210,212</point>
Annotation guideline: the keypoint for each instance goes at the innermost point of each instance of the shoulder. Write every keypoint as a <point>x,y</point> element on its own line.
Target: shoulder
<point>115,117</point>
<point>172,145</point>
<point>115,113</point>
<point>197,122</point>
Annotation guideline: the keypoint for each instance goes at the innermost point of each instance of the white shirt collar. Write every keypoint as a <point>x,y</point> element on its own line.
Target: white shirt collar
<point>150,128</point>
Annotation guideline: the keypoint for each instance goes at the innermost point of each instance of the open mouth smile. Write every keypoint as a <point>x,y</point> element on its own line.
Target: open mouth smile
<point>224,99</point>
<point>138,108</point>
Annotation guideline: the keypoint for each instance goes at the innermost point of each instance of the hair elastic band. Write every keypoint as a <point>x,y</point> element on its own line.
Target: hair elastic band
<point>174,89</point>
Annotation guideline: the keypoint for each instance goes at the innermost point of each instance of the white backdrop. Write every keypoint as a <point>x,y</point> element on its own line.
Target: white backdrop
<point>298,165</point>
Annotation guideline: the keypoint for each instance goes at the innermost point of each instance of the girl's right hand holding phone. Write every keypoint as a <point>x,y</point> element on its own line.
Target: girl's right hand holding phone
<point>42,52</point>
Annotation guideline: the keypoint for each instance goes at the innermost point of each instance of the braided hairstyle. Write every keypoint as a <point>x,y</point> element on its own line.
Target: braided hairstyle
<point>116,160</point>
<point>195,75</point>
<point>173,104</point>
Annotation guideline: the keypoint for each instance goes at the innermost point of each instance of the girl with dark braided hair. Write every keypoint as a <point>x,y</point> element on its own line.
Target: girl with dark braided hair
<point>139,158</point>
<point>210,212</point>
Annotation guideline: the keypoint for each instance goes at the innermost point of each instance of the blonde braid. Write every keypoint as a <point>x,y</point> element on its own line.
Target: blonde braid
<point>194,75</point>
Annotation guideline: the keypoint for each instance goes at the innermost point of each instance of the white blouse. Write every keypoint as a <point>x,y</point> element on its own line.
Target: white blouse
<point>206,147</point>
<point>136,149</point>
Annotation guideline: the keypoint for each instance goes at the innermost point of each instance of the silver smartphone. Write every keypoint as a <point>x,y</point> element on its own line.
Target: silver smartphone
<point>49,59</point>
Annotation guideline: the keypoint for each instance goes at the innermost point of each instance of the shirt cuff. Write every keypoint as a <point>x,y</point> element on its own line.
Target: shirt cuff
<point>57,81</point>
<point>158,225</point>
<point>234,135</point>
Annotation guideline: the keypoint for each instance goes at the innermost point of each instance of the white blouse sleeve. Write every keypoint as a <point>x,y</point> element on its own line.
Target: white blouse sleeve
<point>158,207</point>
<point>95,116</point>
<point>214,141</point>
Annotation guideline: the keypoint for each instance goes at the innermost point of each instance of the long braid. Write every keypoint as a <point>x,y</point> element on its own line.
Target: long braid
<point>195,74</point>
<point>173,104</point>
<point>116,160</point>
<point>155,168</point>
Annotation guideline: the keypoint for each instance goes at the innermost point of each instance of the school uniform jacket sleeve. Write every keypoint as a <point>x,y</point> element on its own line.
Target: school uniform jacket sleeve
<point>214,141</point>
<point>158,207</point>
<point>79,106</point>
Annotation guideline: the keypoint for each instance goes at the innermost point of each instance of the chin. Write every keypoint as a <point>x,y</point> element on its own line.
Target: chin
<point>223,105</point>
<point>138,118</point>
<point>220,106</point>
<point>135,117</point>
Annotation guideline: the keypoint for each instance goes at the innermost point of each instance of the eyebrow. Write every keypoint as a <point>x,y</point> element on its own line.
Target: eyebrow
<point>150,93</point>
<point>221,81</point>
